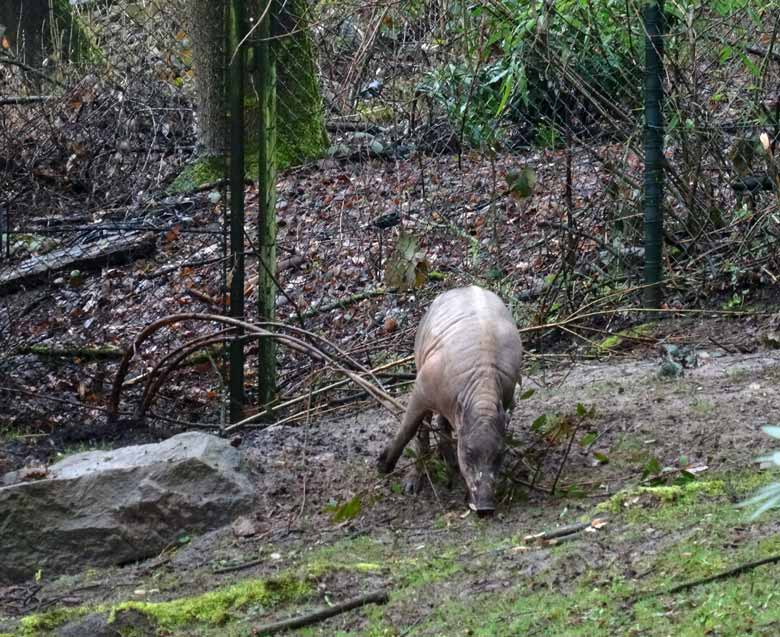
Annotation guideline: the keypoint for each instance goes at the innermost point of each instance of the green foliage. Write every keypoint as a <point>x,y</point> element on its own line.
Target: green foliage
<point>346,510</point>
<point>407,267</point>
<point>521,182</point>
<point>508,76</point>
<point>769,496</point>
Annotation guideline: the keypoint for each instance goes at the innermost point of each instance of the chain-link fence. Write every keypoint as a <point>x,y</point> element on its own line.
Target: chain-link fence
<point>96,122</point>
<point>498,142</point>
<point>502,143</point>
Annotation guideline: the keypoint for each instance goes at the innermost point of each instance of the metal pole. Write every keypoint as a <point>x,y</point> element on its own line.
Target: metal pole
<point>654,152</point>
<point>236,58</point>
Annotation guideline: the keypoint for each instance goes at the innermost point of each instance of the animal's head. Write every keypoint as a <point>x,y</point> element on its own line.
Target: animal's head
<point>480,453</point>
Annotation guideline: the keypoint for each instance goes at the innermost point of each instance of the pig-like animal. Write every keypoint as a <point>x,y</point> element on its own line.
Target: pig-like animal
<point>468,356</point>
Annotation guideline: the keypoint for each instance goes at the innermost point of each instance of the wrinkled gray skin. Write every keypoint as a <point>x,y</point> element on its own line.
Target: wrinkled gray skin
<point>468,355</point>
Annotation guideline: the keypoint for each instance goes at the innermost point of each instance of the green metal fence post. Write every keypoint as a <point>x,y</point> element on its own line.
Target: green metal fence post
<point>654,155</point>
<point>236,60</point>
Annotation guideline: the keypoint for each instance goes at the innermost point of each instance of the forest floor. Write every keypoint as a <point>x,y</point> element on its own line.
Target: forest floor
<point>665,463</point>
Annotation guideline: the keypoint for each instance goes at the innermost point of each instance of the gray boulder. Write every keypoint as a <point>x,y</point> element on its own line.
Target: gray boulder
<point>104,508</point>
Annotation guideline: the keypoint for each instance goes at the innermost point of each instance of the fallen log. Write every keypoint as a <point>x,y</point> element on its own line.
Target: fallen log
<point>378,597</point>
<point>110,250</point>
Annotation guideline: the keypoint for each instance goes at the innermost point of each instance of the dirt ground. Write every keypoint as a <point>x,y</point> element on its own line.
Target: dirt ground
<point>449,573</point>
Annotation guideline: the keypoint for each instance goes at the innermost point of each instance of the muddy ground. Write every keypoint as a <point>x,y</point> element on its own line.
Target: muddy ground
<point>448,573</point>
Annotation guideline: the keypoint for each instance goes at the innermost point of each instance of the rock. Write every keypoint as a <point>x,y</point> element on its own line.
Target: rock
<point>244,527</point>
<point>104,508</point>
<point>125,622</point>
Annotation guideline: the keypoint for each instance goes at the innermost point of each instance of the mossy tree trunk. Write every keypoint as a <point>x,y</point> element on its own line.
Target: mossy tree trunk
<point>265,82</point>
<point>300,115</point>
<point>300,121</point>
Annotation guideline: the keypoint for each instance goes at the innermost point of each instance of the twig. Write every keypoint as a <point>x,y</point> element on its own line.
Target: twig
<point>597,438</point>
<point>5,58</point>
<point>414,624</point>
<point>343,303</point>
<point>252,331</point>
<point>301,399</point>
<point>180,266</point>
<point>378,597</point>
<point>25,99</point>
<point>177,357</point>
<point>560,532</point>
<point>63,401</point>
<point>582,233</point>
<point>728,350</point>
<point>563,462</point>
<point>239,567</point>
<point>737,570</point>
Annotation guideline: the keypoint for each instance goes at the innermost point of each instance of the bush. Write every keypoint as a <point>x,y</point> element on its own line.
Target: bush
<point>525,68</point>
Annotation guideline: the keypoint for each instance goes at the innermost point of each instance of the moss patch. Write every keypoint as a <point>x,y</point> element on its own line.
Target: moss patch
<point>214,608</point>
<point>44,623</point>
<point>624,337</point>
<point>657,496</point>
<point>217,607</point>
<point>202,171</point>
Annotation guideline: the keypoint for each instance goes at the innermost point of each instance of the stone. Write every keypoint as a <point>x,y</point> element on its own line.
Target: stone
<point>125,622</point>
<point>244,526</point>
<point>103,508</point>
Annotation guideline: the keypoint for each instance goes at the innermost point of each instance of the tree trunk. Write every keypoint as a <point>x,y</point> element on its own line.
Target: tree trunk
<point>300,114</point>
<point>207,24</point>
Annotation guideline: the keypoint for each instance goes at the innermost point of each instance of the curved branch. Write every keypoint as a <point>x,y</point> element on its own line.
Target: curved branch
<point>292,342</point>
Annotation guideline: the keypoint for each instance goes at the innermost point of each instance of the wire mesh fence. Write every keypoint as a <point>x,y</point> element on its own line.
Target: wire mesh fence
<point>96,122</point>
<point>497,142</point>
<point>502,143</point>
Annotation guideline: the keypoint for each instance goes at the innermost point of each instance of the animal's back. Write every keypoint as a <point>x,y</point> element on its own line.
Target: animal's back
<point>467,333</point>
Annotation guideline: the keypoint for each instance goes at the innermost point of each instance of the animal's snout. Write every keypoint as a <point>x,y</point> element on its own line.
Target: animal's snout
<point>482,502</point>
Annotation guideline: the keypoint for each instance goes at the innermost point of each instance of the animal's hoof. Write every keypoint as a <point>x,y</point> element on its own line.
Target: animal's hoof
<point>413,484</point>
<point>382,464</point>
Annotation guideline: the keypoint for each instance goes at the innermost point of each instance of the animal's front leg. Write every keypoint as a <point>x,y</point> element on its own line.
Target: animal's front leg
<point>413,484</point>
<point>416,411</point>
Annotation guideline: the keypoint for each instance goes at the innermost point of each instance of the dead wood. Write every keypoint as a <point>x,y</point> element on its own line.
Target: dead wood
<point>25,99</point>
<point>564,531</point>
<point>737,570</point>
<point>344,303</point>
<point>377,597</point>
<point>109,250</point>
<point>347,126</point>
<point>252,331</point>
<point>107,352</point>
